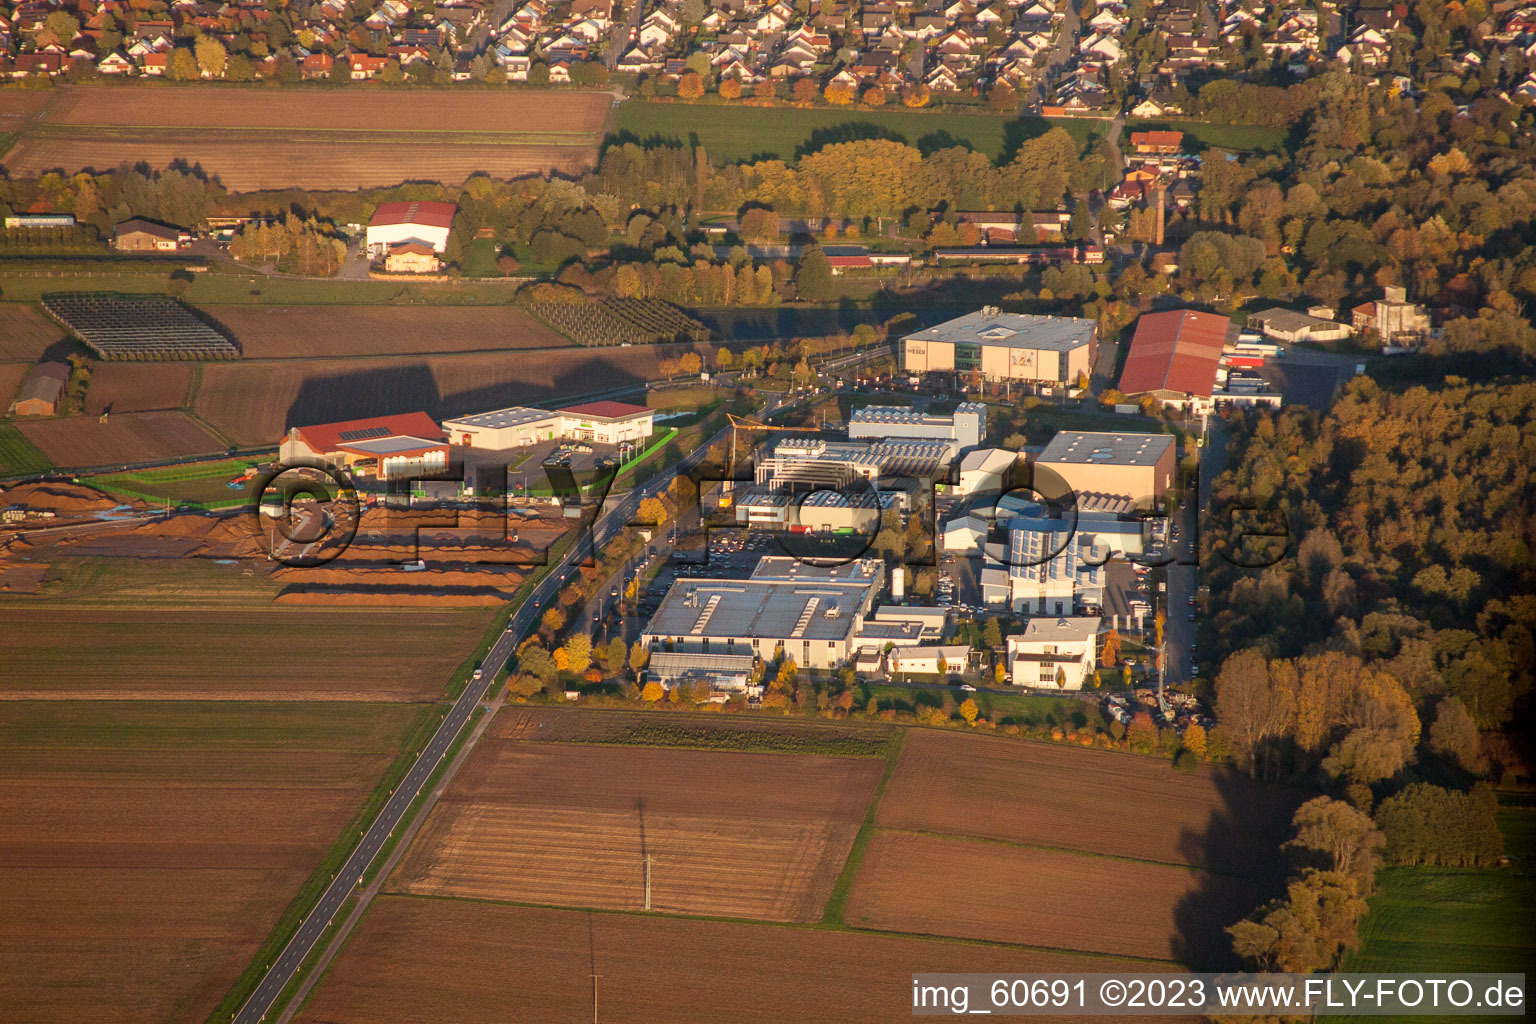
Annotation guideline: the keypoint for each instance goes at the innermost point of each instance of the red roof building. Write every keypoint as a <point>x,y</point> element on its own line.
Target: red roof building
<point>606,411</point>
<point>1174,356</point>
<point>385,447</point>
<point>1159,142</point>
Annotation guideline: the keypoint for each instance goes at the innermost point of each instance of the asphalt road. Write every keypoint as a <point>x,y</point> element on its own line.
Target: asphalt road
<point>620,511</point>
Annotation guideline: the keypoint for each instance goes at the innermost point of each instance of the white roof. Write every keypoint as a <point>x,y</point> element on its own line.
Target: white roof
<point>1060,629</point>
<point>988,460</point>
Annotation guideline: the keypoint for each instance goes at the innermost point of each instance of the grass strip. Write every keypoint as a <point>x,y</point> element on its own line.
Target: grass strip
<point>837,903</point>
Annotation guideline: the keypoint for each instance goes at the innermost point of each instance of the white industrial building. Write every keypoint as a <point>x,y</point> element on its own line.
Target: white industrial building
<point>1024,347</point>
<point>417,220</point>
<point>809,613</point>
<point>518,427</point>
<point>961,430</point>
<point>986,470</point>
<point>1051,570</point>
<point>1054,653</point>
<point>939,659</point>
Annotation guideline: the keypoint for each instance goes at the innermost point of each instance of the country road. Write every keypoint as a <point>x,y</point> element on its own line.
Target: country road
<point>280,972</point>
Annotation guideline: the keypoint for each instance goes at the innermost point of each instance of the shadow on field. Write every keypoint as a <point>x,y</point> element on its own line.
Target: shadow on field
<point>1240,850</point>
<point>389,390</point>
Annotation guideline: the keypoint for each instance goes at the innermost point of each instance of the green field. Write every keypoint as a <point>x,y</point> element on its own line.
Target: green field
<point>201,483</point>
<point>1455,919</point>
<point>1015,708</point>
<point>1210,135</point>
<point>735,133</point>
<point>18,455</point>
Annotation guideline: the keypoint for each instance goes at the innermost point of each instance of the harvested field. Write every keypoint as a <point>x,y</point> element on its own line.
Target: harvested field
<point>449,110</point>
<point>111,628</point>
<point>572,825</point>
<point>11,376</point>
<point>255,164</point>
<point>1050,898</point>
<point>248,139</point>
<point>137,387</point>
<point>25,333</point>
<point>420,961</point>
<point>306,332</point>
<point>132,437</point>
<point>1077,799</point>
<point>147,849</point>
<point>18,105</point>
<point>254,403</point>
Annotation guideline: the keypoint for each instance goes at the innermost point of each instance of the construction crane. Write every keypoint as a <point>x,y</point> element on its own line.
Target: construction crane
<point>743,423</point>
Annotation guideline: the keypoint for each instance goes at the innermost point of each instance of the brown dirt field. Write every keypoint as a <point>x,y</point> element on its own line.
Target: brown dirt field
<point>464,110</point>
<point>1096,801</point>
<point>137,387</point>
<point>65,499</point>
<point>24,331</point>
<point>132,437</point>
<point>306,332</point>
<point>11,376</point>
<point>271,163</point>
<point>420,961</point>
<point>258,653</point>
<point>17,104</point>
<point>730,834</point>
<point>254,403</point>
<point>968,888</point>
<point>147,850</point>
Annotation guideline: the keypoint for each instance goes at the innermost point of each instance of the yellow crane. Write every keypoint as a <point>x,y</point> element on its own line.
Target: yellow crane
<point>743,423</point>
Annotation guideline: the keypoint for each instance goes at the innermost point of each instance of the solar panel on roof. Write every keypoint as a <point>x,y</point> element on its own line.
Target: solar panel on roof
<point>364,433</point>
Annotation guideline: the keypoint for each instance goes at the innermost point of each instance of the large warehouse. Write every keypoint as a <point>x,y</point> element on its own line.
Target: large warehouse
<point>518,427</point>
<point>1137,466</point>
<point>1005,347</point>
<point>1174,356</point>
<point>384,447</point>
<point>814,614</point>
<point>419,221</point>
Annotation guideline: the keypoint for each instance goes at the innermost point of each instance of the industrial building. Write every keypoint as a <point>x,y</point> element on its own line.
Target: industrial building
<point>1138,466</point>
<point>1174,356</point>
<point>518,427</point>
<point>986,470</point>
<point>819,511</point>
<point>420,221</point>
<point>1022,347</point>
<point>812,614</point>
<point>1054,653</point>
<point>817,463</point>
<point>383,447</point>
<point>1051,571</point>
<point>962,430</point>
<point>1395,321</point>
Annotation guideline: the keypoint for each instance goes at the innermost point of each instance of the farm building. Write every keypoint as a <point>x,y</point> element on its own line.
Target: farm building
<point>518,427</point>
<point>140,235</point>
<point>1005,346</point>
<point>411,258</point>
<point>40,220</point>
<point>1138,466</point>
<point>810,613</point>
<point>1054,653</point>
<point>961,429</point>
<point>1174,356</point>
<point>40,391</point>
<point>421,221</point>
<point>383,447</point>
<point>1290,326</point>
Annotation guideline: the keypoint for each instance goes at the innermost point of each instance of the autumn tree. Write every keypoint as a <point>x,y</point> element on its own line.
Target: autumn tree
<point>804,90</point>
<point>552,621</point>
<point>1454,736</point>
<point>969,711</point>
<point>915,95</point>
<point>730,89</point>
<point>690,86</point>
<point>1309,930</point>
<point>1256,706</point>
<point>874,96</point>
<point>211,57</point>
<point>638,656</point>
<point>838,94</point>
<point>653,692</point>
<point>813,275</point>
<point>1331,835</point>
<point>1426,824</point>
<point>1194,739</point>
<point>578,651</point>
<point>182,65</point>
